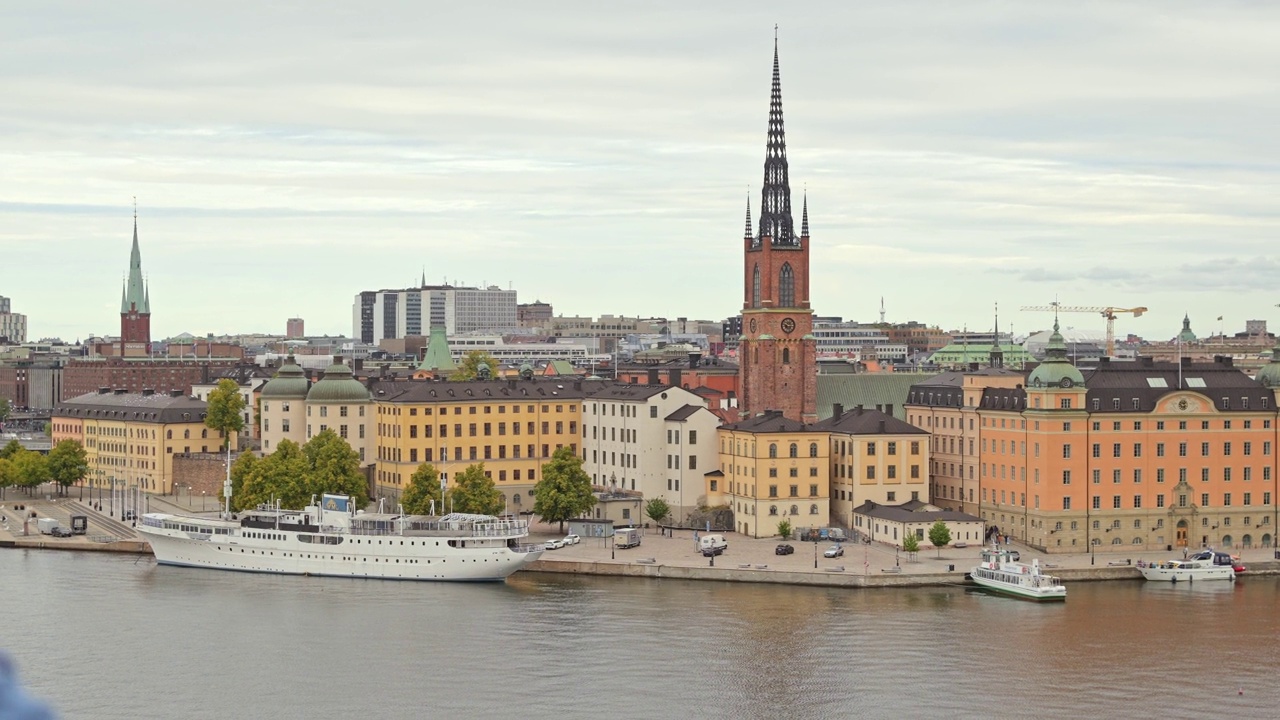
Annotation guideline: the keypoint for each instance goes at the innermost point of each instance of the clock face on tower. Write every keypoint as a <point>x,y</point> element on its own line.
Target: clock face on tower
<point>752,325</point>
<point>788,325</point>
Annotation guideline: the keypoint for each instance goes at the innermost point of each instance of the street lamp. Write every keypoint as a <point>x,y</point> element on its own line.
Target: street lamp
<point>815,552</point>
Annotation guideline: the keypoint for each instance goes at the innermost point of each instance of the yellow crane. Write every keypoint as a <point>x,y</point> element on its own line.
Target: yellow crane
<point>1107,312</point>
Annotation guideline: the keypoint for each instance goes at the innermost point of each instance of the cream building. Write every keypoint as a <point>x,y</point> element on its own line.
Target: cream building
<point>892,523</point>
<point>293,409</point>
<point>874,458</point>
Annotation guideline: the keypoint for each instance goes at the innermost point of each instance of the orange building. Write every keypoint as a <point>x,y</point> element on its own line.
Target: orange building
<point>1127,456</point>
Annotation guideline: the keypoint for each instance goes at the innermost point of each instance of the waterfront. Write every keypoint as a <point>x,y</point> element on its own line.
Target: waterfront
<point>107,636</point>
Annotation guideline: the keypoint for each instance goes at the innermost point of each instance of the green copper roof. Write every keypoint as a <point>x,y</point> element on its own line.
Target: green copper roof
<point>886,392</point>
<point>437,356</point>
<point>289,382</point>
<point>135,295</point>
<point>1269,375</point>
<point>1186,335</point>
<point>338,385</point>
<point>1056,370</point>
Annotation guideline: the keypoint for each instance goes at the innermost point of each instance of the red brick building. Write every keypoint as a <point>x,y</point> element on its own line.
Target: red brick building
<point>137,374</point>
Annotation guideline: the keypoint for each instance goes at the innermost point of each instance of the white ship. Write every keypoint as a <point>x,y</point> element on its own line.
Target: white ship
<point>1000,573</point>
<point>332,539</point>
<point>1204,565</point>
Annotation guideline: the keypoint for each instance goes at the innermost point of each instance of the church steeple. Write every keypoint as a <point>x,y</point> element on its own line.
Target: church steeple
<point>804,222</point>
<point>135,304</point>
<point>135,290</point>
<point>775,201</point>
<point>748,233</point>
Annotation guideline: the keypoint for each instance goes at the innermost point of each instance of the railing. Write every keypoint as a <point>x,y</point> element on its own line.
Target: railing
<point>527,548</point>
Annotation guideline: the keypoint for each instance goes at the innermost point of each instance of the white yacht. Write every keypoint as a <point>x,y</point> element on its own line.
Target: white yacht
<point>1204,565</point>
<point>331,538</point>
<point>999,572</point>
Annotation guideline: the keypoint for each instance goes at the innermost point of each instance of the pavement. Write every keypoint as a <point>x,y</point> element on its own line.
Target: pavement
<point>680,550</point>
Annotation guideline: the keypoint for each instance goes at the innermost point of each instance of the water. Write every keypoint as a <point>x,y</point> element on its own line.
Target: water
<point>103,636</point>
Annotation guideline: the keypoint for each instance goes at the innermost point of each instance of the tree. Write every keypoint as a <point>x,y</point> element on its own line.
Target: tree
<point>784,529</point>
<point>6,407</point>
<point>278,476</point>
<point>13,448</point>
<point>423,490</point>
<point>469,368</point>
<point>564,491</point>
<point>910,545</point>
<point>31,469</point>
<point>940,536</point>
<point>657,509</point>
<point>8,474</point>
<point>333,467</point>
<point>474,492</point>
<point>226,406</point>
<point>68,464</point>
<point>242,468</point>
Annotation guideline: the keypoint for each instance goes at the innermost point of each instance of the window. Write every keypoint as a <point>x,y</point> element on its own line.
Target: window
<point>1097,502</point>
<point>1066,503</point>
<point>1204,499</point>
<point>813,491</point>
<point>653,411</point>
<point>773,491</point>
<point>795,491</point>
<point>693,438</point>
<point>871,472</point>
<point>755,287</point>
<point>1226,500</point>
<point>813,450</point>
<point>773,450</point>
<point>871,448</point>
<point>794,472</point>
<point>1066,477</point>
<point>794,450</point>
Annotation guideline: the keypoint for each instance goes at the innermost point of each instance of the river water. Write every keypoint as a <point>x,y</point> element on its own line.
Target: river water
<point>104,636</point>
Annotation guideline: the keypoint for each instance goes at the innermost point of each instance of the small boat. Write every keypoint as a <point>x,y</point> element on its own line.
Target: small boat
<point>999,572</point>
<point>1204,565</point>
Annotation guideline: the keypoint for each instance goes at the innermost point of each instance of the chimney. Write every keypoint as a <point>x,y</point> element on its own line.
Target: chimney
<point>858,409</point>
<point>337,359</point>
<point>674,377</point>
<point>175,393</point>
<point>577,385</point>
<point>837,410</point>
<point>694,357</point>
<point>104,391</point>
<point>973,367</point>
<point>653,376</point>
<point>511,383</point>
<point>882,424</point>
<point>1148,361</point>
<point>1185,360</point>
<point>1104,360</point>
<point>358,364</point>
<point>147,392</point>
<point>121,391</point>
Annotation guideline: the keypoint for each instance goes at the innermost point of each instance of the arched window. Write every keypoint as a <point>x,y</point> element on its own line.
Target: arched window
<point>786,355</point>
<point>795,510</point>
<point>813,509</point>
<point>515,499</point>
<point>795,450</point>
<point>813,449</point>
<point>755,287</point>
<point>773,509</point>
<point>773,450</point>
<point>786,286</point>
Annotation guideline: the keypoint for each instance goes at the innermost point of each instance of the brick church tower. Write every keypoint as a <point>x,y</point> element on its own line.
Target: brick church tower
<point>135,306</point>
<point>777,352</point>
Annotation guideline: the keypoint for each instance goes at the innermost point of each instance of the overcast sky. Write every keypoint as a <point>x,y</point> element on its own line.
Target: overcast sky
<point>598,156</point>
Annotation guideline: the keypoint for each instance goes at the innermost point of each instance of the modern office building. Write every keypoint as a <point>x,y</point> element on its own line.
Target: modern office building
<point>380,314</point>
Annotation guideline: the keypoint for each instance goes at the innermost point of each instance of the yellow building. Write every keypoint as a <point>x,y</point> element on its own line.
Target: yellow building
<point>511,426</point>
<point>772,469</point>
<point>875,458</point>
<point>130,438</point>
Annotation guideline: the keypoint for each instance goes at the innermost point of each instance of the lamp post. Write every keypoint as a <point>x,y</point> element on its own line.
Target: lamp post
<point>815,552</point>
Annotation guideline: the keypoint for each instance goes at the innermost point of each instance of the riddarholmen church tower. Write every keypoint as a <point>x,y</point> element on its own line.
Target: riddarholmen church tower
<point>135,306</point>
<point>777,352</point>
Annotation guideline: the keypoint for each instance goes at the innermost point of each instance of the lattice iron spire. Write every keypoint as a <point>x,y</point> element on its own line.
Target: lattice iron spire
<point>804,216</point>
<point>775,201</point>
<point>749,234</point>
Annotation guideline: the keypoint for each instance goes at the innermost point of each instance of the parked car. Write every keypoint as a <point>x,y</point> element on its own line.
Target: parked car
<point>710,551</point>
<point>61,532</point>
<point>784,549</point>
<point>554,544</point>
<point>833,551</point>
<point>572,539</point>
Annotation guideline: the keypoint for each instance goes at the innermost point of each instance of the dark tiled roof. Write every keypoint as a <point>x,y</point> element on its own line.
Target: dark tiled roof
<point>1003,399</point>
<point>936,395</point>
<point>899,513</point>
<point>624,391</point>
<point>477,390</point>
<point>684,413</point>
<point>133,407</point>
<point>771,421</point>
<point>867,422</point>
<point>1139,386</point>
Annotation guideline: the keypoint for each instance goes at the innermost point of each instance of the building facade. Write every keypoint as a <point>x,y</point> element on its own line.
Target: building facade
<point>874,458</point>
<point>13,326</point>
<point>383,314</point>
<point>134,375</point>
<point>295,409</point>
<point>777,351</point>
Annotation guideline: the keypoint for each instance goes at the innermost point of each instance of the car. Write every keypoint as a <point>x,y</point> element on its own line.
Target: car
<point>833,551</point>
<point>784,549</point>
<point>712,551</point>
<point>61,532</point>
<point>572,539</point>
<point>554,544</point>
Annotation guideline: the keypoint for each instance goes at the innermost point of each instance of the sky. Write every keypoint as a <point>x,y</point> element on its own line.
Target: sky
<point>599,156</point>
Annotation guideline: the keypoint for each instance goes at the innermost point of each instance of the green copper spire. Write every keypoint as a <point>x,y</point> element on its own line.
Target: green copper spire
<point>136,298</point>
<point>437,356</point>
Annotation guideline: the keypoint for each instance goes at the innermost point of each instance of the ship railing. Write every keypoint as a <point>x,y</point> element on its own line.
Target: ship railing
<point>477,530</point>
<point>527,548</point>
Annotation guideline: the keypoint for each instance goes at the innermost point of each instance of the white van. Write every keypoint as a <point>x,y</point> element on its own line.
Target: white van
<point>712,544</point>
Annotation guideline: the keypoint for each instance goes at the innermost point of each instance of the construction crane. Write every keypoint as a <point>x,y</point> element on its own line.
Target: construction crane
<point>1107,312</point>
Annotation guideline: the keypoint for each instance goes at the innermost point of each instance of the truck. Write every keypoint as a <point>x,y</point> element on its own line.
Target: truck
<point>712,544</point>
<point>626,538</point>
<point>46,526</point>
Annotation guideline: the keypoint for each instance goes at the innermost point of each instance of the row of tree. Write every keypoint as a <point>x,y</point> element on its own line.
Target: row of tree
<point>64,465</point>
<point>294,474</point>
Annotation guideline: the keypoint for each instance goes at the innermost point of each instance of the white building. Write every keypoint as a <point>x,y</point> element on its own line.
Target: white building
<point>381,314</point>
<point>12,325</point>
<point>511,353</point>
<point>857,341</point>
<point>652,439</point>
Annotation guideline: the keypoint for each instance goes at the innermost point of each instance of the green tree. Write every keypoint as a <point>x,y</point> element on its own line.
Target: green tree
<point>469,367</point>
<point>278,476</point>
<point>6,408</point>
<point>48,429</point>
<point>564,491</point>
<point>784,529</point>
<point>657,509</point>
<point>8,474</point>
<point>242,468</point>
<point>333,467</point>
<point>474,492</point>
<point>940,536</point>
<point>13,448</point>
<point>68,464</point>
<point>32,469</point>
<point>226,408</point>
<point>910,545</point>
<point>423,490</point>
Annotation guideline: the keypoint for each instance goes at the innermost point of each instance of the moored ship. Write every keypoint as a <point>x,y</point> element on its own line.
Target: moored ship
<point>1204,565</point>
<point>999,572</point>
<point>330,538</point>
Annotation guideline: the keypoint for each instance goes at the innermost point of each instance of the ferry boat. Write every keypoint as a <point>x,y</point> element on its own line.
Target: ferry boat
<point>333,539</point>
<point>999,572</point>
<point>1204,565</point>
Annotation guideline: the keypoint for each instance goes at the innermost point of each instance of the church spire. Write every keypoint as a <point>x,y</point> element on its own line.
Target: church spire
<point>749,234</point>
<point>804,221</point>
<point>135,291</point>
<point>775,201</point>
